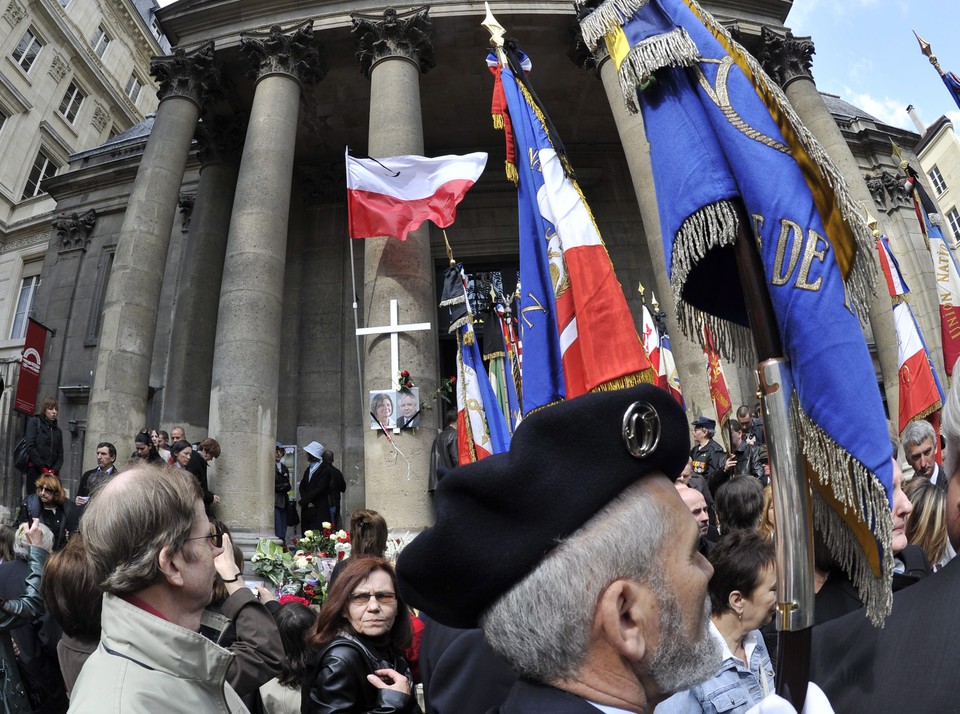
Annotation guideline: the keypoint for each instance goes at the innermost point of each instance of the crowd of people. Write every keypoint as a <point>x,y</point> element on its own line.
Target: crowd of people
<point>652,590</point>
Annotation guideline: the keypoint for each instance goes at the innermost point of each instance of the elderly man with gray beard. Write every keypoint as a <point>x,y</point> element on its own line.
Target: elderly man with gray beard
<point>576,556</point>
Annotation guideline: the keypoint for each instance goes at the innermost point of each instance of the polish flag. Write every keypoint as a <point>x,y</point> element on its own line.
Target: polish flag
<point>395,195</point>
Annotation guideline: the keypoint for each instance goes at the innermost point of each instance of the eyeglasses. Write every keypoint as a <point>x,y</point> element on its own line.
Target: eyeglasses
<point>46,489</point>
<point>216,532</point>
<point>364,598</point>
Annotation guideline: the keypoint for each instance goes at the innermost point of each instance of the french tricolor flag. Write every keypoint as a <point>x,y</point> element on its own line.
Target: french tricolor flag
<point>395,195</point>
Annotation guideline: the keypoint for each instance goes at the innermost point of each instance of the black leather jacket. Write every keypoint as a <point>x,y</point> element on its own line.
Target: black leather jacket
<point>338,683</point>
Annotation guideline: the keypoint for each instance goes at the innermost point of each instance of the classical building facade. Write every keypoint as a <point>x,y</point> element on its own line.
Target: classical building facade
<point>939,153</point>
<point>73,75</point>
<point>217,288</point>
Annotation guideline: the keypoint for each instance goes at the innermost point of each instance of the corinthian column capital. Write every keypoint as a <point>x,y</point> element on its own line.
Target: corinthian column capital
<point>785,57</point>
<point>292,52</point>
<point>394,34</point>
<point>194,76</point>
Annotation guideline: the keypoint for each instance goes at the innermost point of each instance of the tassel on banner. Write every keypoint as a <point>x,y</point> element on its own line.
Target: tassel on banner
<point>844,481</point>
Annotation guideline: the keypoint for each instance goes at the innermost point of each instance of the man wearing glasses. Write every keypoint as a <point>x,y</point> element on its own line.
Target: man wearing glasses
<point>151,548</point>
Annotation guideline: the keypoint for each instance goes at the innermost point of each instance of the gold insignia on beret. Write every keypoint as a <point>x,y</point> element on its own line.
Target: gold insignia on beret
<point>641,429</point>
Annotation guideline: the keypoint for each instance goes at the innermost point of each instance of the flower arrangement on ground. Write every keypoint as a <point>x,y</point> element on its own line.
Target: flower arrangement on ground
<point>305,571</point>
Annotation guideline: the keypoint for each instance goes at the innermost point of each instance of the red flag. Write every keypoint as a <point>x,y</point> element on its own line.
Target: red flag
<point>718,384</point>
<point>30,364</point>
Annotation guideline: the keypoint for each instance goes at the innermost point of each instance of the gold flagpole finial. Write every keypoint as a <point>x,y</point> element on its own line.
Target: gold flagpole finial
<point>640,290</point>
<point>449,249</point>
<point>496,30</point>
<point>653,302</point>
<point>927,51</point>
<point>872,222</point>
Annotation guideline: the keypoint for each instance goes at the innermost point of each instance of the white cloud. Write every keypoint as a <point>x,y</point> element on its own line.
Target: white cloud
<point>860,69</point>
<point>889,111</point>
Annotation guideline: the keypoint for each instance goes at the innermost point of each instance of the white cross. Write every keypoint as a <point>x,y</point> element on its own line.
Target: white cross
<point>393,329</point>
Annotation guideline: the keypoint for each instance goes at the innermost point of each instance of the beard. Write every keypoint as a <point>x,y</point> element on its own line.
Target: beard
<point>678,663</point>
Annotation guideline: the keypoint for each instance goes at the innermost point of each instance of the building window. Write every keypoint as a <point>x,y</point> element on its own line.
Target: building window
<point>100,41</point>
<point>28,288</point>
<point>155,28</point>
<point>63,3</point>
<point>936,178</point>
<point>27,50</point>
<point>43,168</point>
<point>954,218</point>
<point>72,100</point>
<point>134,85</point>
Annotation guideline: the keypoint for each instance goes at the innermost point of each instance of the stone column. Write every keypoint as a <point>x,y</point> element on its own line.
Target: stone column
<point>788,59</point>
<point>689,356</point>
<point>393,49</point>
<point>118,398</point>
<point>189,365</point>
<point>246,361</point>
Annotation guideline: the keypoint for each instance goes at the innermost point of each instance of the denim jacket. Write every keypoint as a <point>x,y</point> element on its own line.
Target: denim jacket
<point>733,689</point>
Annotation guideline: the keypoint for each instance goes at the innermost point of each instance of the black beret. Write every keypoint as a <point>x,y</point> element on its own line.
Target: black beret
<point>705,423</point>
<point>499,517</point>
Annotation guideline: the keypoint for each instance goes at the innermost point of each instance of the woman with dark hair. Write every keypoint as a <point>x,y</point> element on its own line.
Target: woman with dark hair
<point>73,599</point>
<point>281,695</point>
<point>145,450</point>
<point>51,506</point>
<point>360,634</point>
<point>44,441</point>
<point>743,597</point>
<point>182,454</point>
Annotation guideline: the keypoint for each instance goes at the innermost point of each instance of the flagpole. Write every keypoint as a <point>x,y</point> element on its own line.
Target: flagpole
<point>791,495</point>
<point>927,50</point>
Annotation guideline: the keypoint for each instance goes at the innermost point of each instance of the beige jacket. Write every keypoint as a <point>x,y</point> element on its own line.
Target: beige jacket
<point>147,664</point>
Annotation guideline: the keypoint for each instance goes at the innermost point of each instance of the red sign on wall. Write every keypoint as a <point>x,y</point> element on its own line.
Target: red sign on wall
<point>31,360</point>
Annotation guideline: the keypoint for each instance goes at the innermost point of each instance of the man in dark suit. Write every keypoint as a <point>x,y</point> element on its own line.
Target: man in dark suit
<point>92,480</point>
<point>919,444</point>
<point>862,668</point>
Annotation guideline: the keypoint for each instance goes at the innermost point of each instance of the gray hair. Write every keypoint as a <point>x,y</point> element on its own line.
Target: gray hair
<point>950,429</point>
<point>21,549</point>
<point>541,626</point>
<point>916,433</point>
<point>132,519</point>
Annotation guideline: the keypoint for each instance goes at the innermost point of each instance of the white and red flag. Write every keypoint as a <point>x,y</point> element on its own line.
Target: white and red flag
<point>651,344</point>
<point>395,195</point>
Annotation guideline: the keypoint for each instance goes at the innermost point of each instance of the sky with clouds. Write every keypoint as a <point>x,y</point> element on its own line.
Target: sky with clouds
<point>867,54</point>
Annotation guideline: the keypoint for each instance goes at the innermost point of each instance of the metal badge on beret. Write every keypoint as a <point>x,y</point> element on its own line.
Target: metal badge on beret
<point>641,429</point>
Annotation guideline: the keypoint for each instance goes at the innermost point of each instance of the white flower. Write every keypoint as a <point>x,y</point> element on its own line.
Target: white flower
<point>302,562</point>
<point>308,534</point>
<point>326,524</point>
<point>341,534</point>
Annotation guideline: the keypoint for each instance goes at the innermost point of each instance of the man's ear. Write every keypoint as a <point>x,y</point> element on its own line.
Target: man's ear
<point>628,617</point>
<point>170,565</point>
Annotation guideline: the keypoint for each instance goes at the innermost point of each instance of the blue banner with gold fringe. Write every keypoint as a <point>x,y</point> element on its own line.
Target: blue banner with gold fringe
<point>722,133</point>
